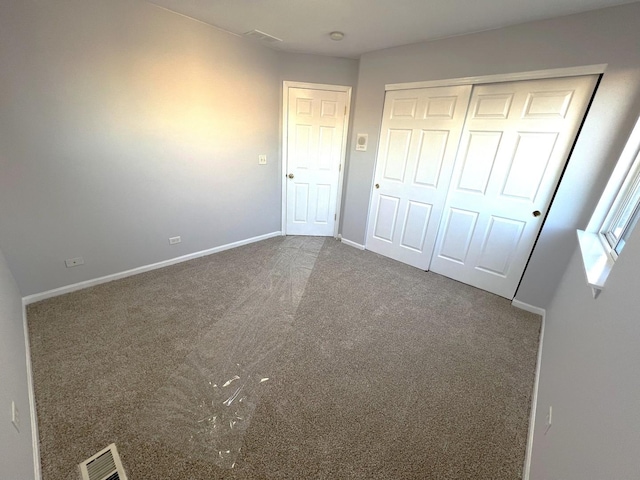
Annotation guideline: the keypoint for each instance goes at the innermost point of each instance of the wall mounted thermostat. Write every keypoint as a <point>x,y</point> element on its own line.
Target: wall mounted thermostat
<point>361,142</point>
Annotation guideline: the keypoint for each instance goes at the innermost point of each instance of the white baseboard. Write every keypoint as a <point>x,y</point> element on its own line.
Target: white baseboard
<point>534,403</point>
<point>36,297</point>
<point>352,244</point>
<point>35,438</point>
<point>529,308</point>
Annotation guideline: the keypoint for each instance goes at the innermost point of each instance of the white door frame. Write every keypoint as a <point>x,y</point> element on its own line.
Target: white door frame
<point>343,154</point>
<point>501,77</point>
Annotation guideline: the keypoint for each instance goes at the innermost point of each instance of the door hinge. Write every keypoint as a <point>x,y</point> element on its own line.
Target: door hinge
<point>345,110</point>
<point>340,168</point>
<point>335,216</point>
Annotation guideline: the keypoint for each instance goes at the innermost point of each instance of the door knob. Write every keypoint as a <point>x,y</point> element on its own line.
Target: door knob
<point>377,185</point>
<point>536,213</point>
<point>290,175</point>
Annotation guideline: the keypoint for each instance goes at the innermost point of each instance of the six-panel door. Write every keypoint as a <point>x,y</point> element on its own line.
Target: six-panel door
<point>516,140</point>
<point>314,149</point>
<point>420,133</point>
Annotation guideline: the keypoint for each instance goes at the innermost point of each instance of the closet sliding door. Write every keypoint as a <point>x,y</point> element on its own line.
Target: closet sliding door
<point>464,178</point>
<point>420,133</point>
<point>515,143</point>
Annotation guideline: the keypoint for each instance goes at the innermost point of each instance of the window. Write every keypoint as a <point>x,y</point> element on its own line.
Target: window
<point>615,217</point>
<point>624,214</point>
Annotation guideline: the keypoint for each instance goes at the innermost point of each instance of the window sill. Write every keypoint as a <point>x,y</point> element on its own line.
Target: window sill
<point>597,261</point>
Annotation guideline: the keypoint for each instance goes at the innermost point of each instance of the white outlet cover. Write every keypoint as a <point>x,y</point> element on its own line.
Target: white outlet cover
<point>15,416</point>
<point>262,159</point>
<point>549,419</point>
<point>74,262</point>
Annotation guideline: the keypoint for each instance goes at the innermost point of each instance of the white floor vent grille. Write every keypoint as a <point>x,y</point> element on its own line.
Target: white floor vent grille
<point>104,465</point>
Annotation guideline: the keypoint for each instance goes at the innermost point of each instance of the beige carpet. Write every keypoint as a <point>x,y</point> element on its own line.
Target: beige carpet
<point>291,358</point>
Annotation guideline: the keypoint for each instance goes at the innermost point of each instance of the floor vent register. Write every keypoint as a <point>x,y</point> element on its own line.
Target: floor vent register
<point>104,465</point>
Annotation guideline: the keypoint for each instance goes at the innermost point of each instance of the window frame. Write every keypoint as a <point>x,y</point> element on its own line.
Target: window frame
<point>599,247</point>
<point>625,210</point>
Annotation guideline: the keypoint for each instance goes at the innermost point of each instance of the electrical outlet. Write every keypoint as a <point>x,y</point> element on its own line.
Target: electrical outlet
<point>262,159</point>
<point>549,419</point>
<point>74,262</point>
<point>174,240</point>
<point>15,416</point>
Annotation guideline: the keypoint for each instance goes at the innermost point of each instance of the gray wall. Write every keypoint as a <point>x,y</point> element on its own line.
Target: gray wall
<point>605,36</point>
<point>590,375</point>
<point>122,124</point>
<point>298,67</point>
<point>16,458</point>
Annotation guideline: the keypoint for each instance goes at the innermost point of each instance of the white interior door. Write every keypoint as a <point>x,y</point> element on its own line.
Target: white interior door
<point>420,133</point>
<point>315,133</point>
<point>516,140</point>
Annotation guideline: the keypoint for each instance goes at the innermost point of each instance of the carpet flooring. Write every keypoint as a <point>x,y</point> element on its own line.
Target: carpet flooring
<point>291,358</point>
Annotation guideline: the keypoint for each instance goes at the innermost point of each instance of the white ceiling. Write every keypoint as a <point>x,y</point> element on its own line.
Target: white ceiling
<point>369,25</point>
